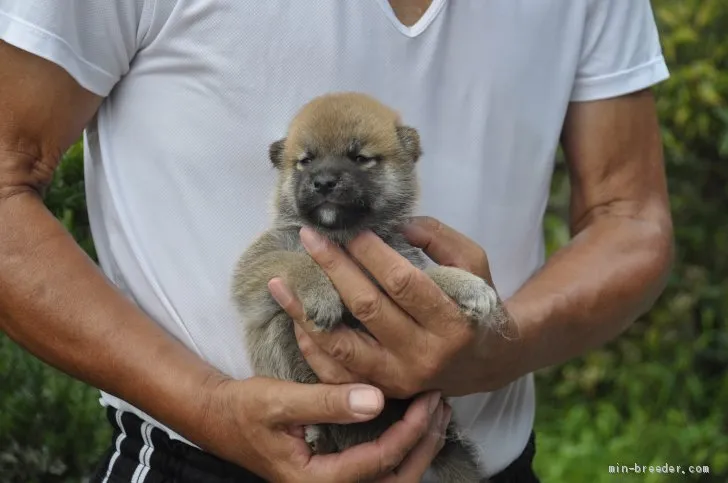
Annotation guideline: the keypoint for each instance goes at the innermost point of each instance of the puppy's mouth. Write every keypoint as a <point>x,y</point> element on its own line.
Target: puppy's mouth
<point>335,215</point>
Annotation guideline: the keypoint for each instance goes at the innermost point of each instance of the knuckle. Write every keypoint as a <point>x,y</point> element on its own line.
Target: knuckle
<point>307,350</point>
<point>400,280</point>
<point>343,350</point>
<point>275,410</point>
<point>428,370</point>
<point>366,306</point>
<point>328,262</point>
<point>305,345</point>
<point>433,223</point>
<point>330,403</point>
<point>422,428</point>
<point>389,460</point>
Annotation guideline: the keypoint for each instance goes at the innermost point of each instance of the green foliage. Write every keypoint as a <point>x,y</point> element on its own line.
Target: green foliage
<point>66,198</point>
<point>52,428</point>
<point>658,395</point>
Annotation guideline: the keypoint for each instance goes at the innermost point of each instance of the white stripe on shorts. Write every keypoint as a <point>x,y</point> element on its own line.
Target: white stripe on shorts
<point>145,454</point>
<point>116,454</point>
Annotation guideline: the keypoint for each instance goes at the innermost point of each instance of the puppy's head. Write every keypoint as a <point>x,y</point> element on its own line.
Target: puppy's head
<point>347,164</point>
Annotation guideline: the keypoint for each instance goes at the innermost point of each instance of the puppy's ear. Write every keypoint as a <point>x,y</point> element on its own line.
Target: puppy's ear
<point>410,140</point>
<point>275,153</point>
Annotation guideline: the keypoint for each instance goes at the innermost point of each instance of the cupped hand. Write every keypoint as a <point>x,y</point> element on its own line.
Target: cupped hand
<point>258,423</point>
<point>418,339</point>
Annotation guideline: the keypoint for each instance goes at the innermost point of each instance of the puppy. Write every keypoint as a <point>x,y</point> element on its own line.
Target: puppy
<point>346,164</point>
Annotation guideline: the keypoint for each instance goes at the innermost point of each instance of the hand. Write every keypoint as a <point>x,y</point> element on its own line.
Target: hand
<point>420,341</point>
<point>258,424</point>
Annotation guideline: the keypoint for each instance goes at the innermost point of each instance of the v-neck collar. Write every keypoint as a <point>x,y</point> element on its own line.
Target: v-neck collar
<point>418,26</point>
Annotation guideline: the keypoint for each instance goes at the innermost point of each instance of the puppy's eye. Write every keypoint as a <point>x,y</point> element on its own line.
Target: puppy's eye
<point>304,161</point>
<point>363,159</point>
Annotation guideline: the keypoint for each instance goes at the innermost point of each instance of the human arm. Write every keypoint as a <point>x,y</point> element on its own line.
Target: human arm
<point>618,259</point>
<point>616,264</point>
<point>53,300</point>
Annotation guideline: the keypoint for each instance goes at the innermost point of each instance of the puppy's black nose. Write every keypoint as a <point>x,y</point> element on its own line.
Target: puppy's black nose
<point>324,183</point>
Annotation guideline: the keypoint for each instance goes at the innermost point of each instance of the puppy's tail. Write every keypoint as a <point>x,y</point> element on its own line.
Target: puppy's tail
<point>457,461</point>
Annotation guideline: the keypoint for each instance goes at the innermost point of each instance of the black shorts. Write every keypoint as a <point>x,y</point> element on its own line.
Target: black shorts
<point>142,453</point>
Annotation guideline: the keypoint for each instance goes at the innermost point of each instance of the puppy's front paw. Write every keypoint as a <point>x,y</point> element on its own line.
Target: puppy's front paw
<point>476,299</point>
<point>322,304</point>
<point>312,434</point>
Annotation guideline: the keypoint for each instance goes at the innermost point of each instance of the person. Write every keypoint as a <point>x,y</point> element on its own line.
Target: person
<point>178,102</point>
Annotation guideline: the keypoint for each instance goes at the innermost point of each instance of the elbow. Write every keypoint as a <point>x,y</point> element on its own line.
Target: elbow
<point>657,257</point>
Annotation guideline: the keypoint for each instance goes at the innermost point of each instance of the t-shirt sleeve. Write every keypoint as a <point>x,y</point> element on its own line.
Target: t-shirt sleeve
<point>93,40</point>
<point>621,51</point>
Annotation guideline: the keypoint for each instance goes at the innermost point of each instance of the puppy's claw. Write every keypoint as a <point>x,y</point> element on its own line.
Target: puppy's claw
<point>324,318</point>
<point>476,299</point>
<point>323,306</point>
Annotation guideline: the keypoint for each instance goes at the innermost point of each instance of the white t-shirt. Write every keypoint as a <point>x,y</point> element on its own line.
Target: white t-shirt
<point>178,179</point>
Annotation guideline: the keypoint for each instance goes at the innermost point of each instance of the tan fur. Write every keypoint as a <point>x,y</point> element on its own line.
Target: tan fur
<point>333,131</point>
<point>331,122</point>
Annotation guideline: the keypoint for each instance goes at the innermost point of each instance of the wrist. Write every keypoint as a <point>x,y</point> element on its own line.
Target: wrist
<point>207,412</point>
<point>537,333</point>
<point>519,350</point>
<point>180,392</point>
<point>507,353</point>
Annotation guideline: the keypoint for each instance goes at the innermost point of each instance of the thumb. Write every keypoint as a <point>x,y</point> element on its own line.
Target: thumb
<point>435,238</point>
<point>446,246</point>
<point>303,404</point>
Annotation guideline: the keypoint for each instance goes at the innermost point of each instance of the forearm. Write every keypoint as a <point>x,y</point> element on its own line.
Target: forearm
<point>55,303</point>
<point>592,289</point>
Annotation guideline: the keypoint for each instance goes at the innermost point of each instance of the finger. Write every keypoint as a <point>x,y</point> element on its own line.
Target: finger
<point>377,458</point>
<point>409,287</point>
<point>382,317</point>
<point>291,403</point>
<point>361,355</point>
<point>416,464</point>
<point>354,352</point>
<point>446,246</point>
<point>326,368</point>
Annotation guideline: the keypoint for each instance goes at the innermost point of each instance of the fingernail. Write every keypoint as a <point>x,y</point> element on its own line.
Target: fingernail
<point>364,401</point>
<point>432,403</point>
<point>280,292</point>
<point>312,240</point>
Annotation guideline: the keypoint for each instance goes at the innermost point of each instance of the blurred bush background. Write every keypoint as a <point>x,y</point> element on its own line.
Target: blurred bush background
<point>658,395</point>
